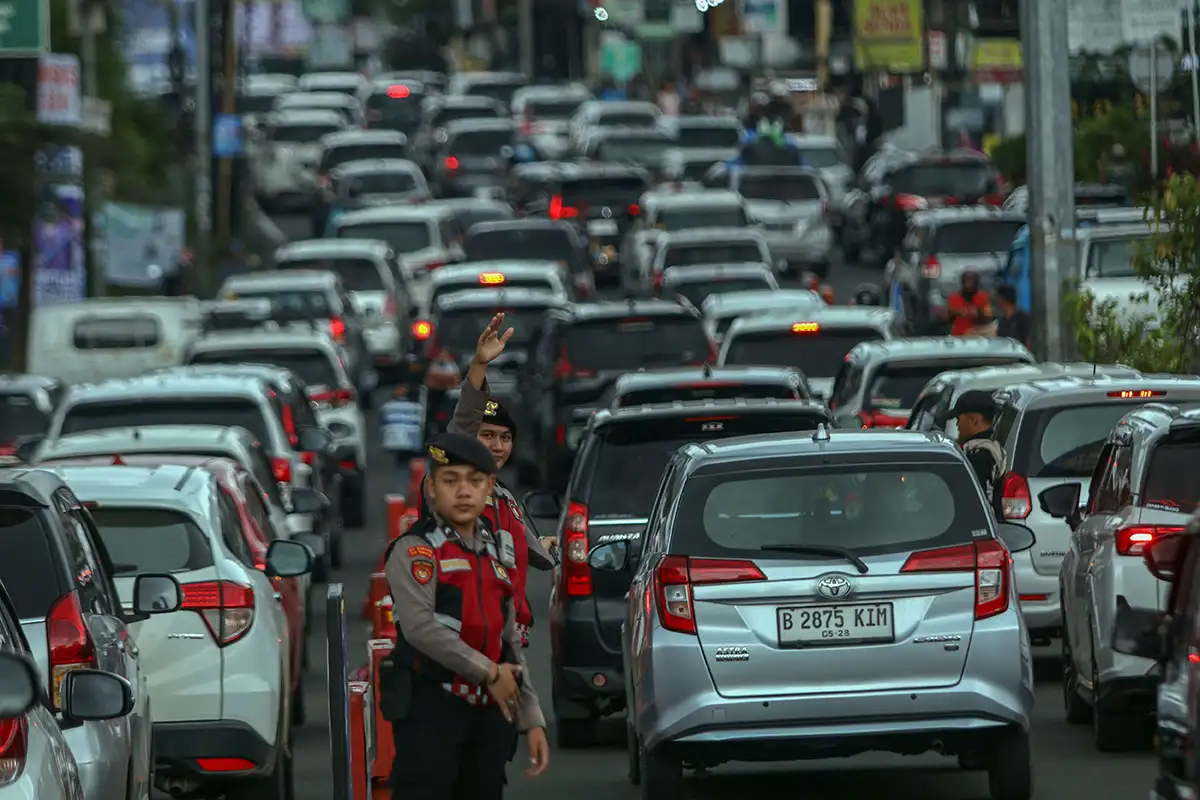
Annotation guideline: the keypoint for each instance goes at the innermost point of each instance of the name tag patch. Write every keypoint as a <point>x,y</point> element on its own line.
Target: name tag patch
<point>501,572</point>
<point>454,565</point>
<point>421,551</point>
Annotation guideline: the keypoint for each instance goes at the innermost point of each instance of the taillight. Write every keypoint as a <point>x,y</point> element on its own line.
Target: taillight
<point>1132,541</point>
<point>308,458</point>
<point>337,329</point>
<point>389,306</point>
<point>559,211</point>
<point>227,608</point>
<point>560,435</point>
<point>675,577</point>
<point>337,398</point>
<point>910,202</point>
<point>289,426</point>
<point>576,573</point>
<point>282,469</point>
<point>989,559</point>
<point>69,643</point>
<point>422,330</point>
<point>1016,502</point>
<point>635,210</point>
<point>931,268</point>
<point>658,282</point>
<point>563,369</point>
<point>451,164</point>
<point>713,353</point>
<point>993,200</point>
<point>878,419</point>
<point>14,744</point>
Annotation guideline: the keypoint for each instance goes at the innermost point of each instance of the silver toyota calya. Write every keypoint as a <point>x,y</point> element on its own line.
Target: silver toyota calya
<point>819,596</point>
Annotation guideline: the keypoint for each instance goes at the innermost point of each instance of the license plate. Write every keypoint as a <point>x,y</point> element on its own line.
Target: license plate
<point>813,626</point>
<point>602,227</point>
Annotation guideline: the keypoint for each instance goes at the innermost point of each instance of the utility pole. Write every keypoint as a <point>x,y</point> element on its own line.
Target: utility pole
<point>525,44</point>
<point>228,106</point>
<point>1051,171</point>
<point>203,128</point>
<point>90,87</point>
<point>823,25</point>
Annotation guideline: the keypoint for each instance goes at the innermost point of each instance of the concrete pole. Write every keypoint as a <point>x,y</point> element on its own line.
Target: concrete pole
<point>90,87</point>
<point>1050,170</point>
<point>525,37</point>
<point>823,25</point>
<point>203,122</point>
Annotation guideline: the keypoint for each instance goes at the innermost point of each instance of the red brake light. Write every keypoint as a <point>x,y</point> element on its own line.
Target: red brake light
<point>336,398</point>
<point>675,577</point>
<point>14,745</point>
<point>422,330</point>
<point>1135,393</point>
<point>451,164</point>
<point>989,559</point>
<point>879,419</point>
<point>931,268</point>
<point>282,469</point>
<point>308,458</point>
<point>559,211</point>
<point>225,764</point>
<point>658,282</point>
<point>911,202</point>
<point>576,573</point>
<point>563,369</point>
<point>227,608</point>
<point>337,329</point>
<point>1015,499</point>
<point>69,643</point>
<point>398,92</point>
<point>634,210</point>
<point>1132,541</point>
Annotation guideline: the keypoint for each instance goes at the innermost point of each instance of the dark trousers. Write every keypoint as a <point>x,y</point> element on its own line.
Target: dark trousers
<point>447,749</point>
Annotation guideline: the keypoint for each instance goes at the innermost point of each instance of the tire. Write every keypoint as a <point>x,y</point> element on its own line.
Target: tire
<point>1113,731</point>
<point>1075,708</point>
<point>354,507</point>
<point>299,713</point>
<point>322,568</point>
<point>335,548</point>
<point>276,786</point>
<point>633,754</point>
<point>1010,767</point>
<point>662,775</point>
<point>575,734</point>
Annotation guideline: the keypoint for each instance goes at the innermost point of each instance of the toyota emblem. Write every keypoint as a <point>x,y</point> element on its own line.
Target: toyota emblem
<point>606,212</point>
<point>834,587</point>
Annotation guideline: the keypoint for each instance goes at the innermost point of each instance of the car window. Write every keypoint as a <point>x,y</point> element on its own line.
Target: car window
<point>1064,442</point>
<point>387,182</point>
<point>992,236</point>
<point>287,305</point>
<point>713,253</point>
<point>1113,258</point>
<point>458,329</point>
<point>697,292</point>
<point>708,390</point>
<point>300,134</point>
<point>817,354</point>
<point>602,192</point>
<point>724,136</point>
<point>365,151</point>
<point>231,528</point>
<point>357,274</point>
<point>29,567</point>
<point>1107,496</point>
<point>117,333</point>
<point>402,237</point>
<point>546,283</point>
<point>313,365</point>
<point>1169,483</point>
<point>258,512</point>
<point>683,219</point>
<point>517,243</point>
<point>632,342</point>
<point>945,179</point>
<point>20,416</point>
<point>84,563</point>
<point>142,540</point>
<point>898,387</point>
<point>480,143</point>
<point>780,188</point>
<point>138,412</point>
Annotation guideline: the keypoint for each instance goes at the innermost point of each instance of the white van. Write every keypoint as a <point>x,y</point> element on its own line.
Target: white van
<point>111,337</point>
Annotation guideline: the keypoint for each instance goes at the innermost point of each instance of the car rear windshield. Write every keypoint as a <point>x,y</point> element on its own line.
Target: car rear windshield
<point>697,291</point>
<point>709,390</point>
<point>20,416</point>
<point>553,109</point>
<point>992,236</point>
<point>898,386</point>
<point>821,157</point>
<point>288,306</point>
<point>648,150</point>
<point>480,143</point>
<point>345,153</point>
<point>1113,258</point>
<point>817,355</point>
<point>627,119</point>
<point>686,219</point>
<point>949,179</point>
<point>139,412</point>
<point>403,237</point>
<point>517,243</point>
<point>696,170</point>
<point>458,330</point>
<point>490,213</point>
<point>1170,481</point>
<point>381,183</point>
<point>779,188</point>
<point>868,509</point>
<point>598,192</point>
<point>633,342</point>
<point>301,134</point>
<point>396,107</point>
<point>312,366</point>
<point>712,253</point>
<point>358,274</point>
<point>141,540</point>
<point>28,568</point>
<point>708,137</point>
<point>448,115</point>
<point>629,457</point>
<point>543,284</point>
<point>255,103</point>
<point>499,91</point>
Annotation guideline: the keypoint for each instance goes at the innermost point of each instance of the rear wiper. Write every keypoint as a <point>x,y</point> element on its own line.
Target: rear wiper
<point>830,550</point>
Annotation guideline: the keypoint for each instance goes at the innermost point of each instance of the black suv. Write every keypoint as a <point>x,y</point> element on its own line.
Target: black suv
<point>576,355</point>
<point>609,498</point>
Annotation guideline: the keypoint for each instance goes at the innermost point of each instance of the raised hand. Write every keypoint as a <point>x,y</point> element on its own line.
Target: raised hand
<point>491,342</point>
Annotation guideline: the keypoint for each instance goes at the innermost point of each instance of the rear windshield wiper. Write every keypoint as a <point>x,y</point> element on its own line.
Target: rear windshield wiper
<point>830,550</point>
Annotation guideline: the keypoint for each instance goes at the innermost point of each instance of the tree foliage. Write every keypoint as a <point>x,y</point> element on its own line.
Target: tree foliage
<point>1159,329</point>
<point>1094,139</point>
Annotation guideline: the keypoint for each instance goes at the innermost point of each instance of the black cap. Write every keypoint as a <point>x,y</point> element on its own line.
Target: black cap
<point>456,449</point>
<point>974,402</point>
<point>496,414</point>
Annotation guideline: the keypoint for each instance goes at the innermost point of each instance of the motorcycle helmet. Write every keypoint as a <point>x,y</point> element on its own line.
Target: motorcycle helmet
<point>868,294</point>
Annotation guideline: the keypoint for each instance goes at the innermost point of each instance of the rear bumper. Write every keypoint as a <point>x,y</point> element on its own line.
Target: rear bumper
<point>587,673</point>
<point>179,746</point>
<point>1040,600</point>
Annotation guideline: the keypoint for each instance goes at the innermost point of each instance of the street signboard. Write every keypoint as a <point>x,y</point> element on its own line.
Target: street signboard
<point>24,27</point>
<point>1143,62</point>
<point>1145,21</point>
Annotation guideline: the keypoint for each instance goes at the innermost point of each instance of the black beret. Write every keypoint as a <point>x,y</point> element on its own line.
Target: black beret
<point>496,414</point>
<point>974,402</point>
<point>451,449</point>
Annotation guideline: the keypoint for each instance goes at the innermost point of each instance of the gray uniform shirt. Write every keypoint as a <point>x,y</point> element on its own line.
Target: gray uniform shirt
<point>436,636</point>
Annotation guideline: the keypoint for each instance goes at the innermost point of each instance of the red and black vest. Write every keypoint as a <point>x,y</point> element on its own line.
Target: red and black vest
<point>473,595</point>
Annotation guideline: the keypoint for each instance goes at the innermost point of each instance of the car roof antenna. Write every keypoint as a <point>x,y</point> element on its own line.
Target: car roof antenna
<point>821,434</point>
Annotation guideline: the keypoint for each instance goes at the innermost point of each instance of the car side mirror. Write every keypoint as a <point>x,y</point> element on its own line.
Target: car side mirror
<point>156,594</point>
<point>1017,538</point>
<point>287,558</point>
<point>308,501</point>
<point>313,439</point>
<point>20,684</point>
<point>1139,631</point>
<point>542,504</point>
<point>27,447</point>
<point>1162,556</point>
<point>89,695</point>
<point>1076,517</point>
<point>610,557</point>
<point>1060,501</point>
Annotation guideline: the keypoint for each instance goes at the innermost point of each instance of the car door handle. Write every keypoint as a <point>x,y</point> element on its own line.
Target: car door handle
<point>278,597</point>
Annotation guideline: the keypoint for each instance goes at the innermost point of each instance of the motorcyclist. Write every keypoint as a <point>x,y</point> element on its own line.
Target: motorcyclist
<point>970,307</point>
<point>867,294</point>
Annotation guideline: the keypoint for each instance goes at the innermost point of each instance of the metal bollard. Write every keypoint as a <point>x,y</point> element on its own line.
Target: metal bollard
<point>362,742</point>
<point>337,672</point>
<point>385,750</point>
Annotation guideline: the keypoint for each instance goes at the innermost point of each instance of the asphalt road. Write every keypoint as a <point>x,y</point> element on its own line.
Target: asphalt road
<point>1066,764</point>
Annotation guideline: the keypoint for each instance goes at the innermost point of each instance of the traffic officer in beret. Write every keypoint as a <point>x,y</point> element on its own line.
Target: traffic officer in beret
<point>973,412</point>
<point>455,687</point>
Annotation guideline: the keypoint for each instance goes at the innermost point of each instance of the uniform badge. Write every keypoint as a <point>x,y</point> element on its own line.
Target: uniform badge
<point>421,551</point>
<point>490,408</point>
<point>454,565</point>
<point>438,455</point>
<point>422,572</point>
<point>501,572</point>
<point>516,512</point>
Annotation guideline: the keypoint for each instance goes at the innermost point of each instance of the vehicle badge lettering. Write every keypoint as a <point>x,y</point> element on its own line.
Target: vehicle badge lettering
<point>606,212</point>
<point>712,427</point>
<point>1053,553</point>
<point>732,654</point>
<point>834,587</point>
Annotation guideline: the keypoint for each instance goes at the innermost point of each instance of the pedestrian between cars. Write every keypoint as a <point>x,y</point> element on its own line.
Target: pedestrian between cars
<point>973,415</point>
<point>456,682</point>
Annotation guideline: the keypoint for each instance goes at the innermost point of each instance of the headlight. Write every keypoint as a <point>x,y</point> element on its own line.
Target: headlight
<point>341,430</point>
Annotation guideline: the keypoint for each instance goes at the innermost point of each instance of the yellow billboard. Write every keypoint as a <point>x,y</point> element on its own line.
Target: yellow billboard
<point>889,35</point>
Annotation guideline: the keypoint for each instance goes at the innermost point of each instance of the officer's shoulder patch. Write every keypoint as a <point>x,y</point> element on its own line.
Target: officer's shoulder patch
<point>422,572</point>
<point>501,572</point>
<point>515,509</point>
<point>421,551</point>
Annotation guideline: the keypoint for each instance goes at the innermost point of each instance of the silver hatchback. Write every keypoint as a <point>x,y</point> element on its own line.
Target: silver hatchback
<point>813,596</point>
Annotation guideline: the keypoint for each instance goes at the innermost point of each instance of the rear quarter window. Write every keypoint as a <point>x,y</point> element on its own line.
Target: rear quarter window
<point>140,331</point>
<point>29,569</point>
<point>144,540</point>
<point>995,236</point>
<point>1170,482</point>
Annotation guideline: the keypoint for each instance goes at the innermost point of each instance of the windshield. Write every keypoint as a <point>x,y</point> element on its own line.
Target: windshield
<point>896,388</point>
<point>630,457</point>
<point>714,253</point>
<point>145,540</point>
<point>608,345</point>
<point>402,237</point>
<point>517,243</point>
<point>301,134</point>
<point>480,143</point>
<point>994,236</point>
<point>469,216</point>
<point>140,412</point>
<point>447,115</point>
<point>542,284</point>
<point>627,119</point>
<point>312,366</point>
<point>255,104</point>
<point>458,331</point>
<point>358,274</point>
<point>818,355</point>
<point>289,306</point>
<point>683,219</point>
<point>708,390</point>
<point>1113,258</point>
<point>553,109</point>
<point>779,188</point>
<point>380,183</point>
<point>1065,442</point>
<point>596,192</point>
<point>20,416</point>
<point>697,291</point>
<point>708,137</point>
<point>694,171</point>
<point>345,153</point>
<point>821,157</point>
<point>950,179</point>
<point>28,570</point>
<point>868,509</point>
<point>1170,481</point>
<point>503,92</point>
<point>638,151</point>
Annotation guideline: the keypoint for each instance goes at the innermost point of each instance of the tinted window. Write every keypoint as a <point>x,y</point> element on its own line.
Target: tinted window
<point>867,509</point>
<point>459,330</point>
<point>345,153</point>
<point>782,188</point>
<point>682,219</point>
<point>627,119</point>
<point>818,355</point>
<point>313,366</point>
<point>480,143</point>
<point>28,569</point>
<point>139,412</point>
<point>696,170</point>
<point>403,237</point>
<point>20,416</point>
<point>553,109</point>
<point>713,253</point>
<point>630,457</point>
<point>255,104</point>
<point>448,115</point>
<point>626,344</point>
<point>358,274</point>
<point>289,306</point>
<point>151,540</point>
<point>1170,481</point>
<point>395,108</point>
<point>949,179</point>
<point>708,390</point>
<point>597,192</point>
<point>977,237</point>
<point>503,92</point>
<point>1113,258</point>
<point>708,137</point>
<point>517,243</point>
<point>380,183</point>
<point>116,333</point>
<point>637,151</point>
<point>697,291</point>
<point>898,387</point>
<point>821,157</point>
<point>511,283</point>
<point>301,134</point>
<point>474,215</point>
<point>1065,442</point>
